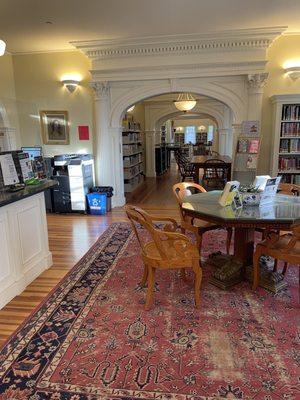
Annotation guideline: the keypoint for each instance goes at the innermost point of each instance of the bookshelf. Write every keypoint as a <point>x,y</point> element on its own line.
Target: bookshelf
<point>133,155</point>
<point>285,159</point>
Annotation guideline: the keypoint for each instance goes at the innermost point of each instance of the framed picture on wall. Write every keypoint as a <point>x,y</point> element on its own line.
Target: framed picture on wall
<point>55,127</point>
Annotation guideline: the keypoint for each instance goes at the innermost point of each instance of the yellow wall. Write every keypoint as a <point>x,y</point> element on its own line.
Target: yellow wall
<point>8,108</point>
<point>283,49</point>
<point>38,87</point>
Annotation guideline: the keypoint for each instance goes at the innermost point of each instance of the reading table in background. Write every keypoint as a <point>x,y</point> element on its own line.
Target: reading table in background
<point>278,215</point>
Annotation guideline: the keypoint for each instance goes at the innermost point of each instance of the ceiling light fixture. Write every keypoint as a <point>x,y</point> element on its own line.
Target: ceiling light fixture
<point>2,47</point>
<point>130,109</point>
<point>185,102</point>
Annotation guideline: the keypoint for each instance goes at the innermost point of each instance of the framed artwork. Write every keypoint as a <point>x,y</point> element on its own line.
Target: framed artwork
<point>55,127</point>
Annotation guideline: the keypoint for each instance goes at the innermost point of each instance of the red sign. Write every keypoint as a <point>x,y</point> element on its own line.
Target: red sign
<point>83,132</point>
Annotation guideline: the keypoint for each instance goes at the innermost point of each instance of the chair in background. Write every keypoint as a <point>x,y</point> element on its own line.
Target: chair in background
<point>166,249</point>
<point>195,225</point>
<point>215,174</point>
<point>280,247</point>
<point>214,153</point>
<point>186,169</point>
<point>289,189</point>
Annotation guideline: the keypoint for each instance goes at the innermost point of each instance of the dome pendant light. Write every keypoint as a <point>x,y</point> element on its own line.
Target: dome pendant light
<point>185,102</point>
<point>2,47</point>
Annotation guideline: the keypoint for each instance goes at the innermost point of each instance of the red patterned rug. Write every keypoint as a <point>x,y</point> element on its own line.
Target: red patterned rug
<point>91,339</point>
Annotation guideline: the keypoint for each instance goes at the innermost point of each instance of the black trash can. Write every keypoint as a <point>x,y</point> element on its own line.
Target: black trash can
<point>108,190</point>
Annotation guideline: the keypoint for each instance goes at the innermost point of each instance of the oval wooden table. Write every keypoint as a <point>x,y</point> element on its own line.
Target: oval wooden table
<point>228,270</point>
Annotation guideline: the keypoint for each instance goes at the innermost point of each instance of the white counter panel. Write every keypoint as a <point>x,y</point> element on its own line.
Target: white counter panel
<point>24,249</point>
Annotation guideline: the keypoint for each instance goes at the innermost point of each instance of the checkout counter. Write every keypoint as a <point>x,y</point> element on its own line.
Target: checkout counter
<point>24,248</point>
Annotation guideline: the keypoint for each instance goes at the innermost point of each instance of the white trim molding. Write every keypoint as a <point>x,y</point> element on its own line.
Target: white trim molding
<point>239,39</point>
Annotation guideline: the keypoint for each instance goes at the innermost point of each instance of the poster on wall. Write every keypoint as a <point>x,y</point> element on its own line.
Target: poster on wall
<point>251,128</point>
<point>55,127</point>
<point>83,132</point>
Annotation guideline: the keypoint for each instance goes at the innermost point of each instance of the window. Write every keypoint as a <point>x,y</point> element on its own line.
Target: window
<point>190,134</point>
<point>210,133</point>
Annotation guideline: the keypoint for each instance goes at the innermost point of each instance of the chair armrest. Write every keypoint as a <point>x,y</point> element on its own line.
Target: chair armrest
<point>173,226</point>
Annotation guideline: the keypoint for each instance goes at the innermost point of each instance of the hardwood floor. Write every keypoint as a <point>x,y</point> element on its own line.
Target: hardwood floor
<point>70,237</point>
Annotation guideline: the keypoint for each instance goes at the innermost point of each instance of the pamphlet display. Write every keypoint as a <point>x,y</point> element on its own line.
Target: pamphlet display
<point>247,150</point>
<point>26,167</point>
<point>229,192</point>
<point>9,172</point>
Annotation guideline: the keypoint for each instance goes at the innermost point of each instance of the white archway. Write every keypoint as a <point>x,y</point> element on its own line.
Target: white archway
<point>234,100</point>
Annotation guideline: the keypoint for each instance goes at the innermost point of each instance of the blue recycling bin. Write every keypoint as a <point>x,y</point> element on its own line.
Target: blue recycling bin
<point>97,203</point>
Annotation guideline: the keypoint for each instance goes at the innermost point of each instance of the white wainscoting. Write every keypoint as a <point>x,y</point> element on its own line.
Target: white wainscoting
<point>24,249</point>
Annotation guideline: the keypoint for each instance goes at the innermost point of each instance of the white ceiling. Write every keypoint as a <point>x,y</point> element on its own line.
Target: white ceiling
<point>23,27</point>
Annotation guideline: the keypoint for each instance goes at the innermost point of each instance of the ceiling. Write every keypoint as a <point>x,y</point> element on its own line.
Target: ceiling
<point>23,23</point>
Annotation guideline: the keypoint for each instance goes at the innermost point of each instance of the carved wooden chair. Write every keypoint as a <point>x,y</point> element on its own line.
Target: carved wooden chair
<point>195,225</point>
<point>281,247</point>
<point>289,189</point>
<point>166,249</point>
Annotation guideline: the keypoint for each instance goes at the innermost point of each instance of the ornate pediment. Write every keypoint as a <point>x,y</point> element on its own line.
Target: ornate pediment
<point>235,40</point>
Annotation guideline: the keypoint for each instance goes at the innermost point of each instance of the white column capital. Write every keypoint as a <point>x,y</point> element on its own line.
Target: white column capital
<point>101,89</point>
<point>256,82</point>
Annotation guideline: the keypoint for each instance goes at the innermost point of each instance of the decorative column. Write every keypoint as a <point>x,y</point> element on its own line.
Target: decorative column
<point>223,141</point>
<point>108,149</point>
<point>150,153</point>
<point>256,84</point>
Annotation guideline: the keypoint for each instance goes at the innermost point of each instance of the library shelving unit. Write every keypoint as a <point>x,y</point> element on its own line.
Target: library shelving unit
<point>285,160</point>
<point>133,158</point>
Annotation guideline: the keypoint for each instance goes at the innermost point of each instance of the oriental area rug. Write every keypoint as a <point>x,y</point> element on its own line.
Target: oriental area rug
<point>92,339</point>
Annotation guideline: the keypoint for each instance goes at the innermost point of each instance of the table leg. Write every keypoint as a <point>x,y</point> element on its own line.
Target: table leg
<point>244,245</point>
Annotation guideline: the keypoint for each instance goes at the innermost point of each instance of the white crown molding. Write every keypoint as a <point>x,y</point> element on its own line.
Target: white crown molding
<point>179,71</point>
<point>241,39</point>
<point>285,98</point>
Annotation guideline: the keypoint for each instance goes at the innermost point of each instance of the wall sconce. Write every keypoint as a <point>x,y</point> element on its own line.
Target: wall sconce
<point>293,72</point>
<point>70,84</point>
<point>2,47</point>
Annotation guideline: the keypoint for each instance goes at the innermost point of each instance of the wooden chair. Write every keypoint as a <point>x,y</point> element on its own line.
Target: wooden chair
<point>289,189</point>
<point>195,225</point>
<point>186,169</point>
<point>166,249</point>
<point>281,247</point>
<point>215,173</point>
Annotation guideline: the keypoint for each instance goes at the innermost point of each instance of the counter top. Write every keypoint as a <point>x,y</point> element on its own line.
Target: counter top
<point>7,197</point>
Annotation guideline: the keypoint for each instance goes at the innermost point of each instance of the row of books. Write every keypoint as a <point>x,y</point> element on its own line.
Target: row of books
<point>248,146</point>
<point>289,146</point>
<point>290,129</point>
<point>291,112</point>
<point>129,125</point>
<point>130,137</point>
<point>288,163</point>
<point>290,178</point>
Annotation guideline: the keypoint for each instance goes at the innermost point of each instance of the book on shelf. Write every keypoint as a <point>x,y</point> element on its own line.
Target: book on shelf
<point>290,112</point>
<point>288,163</point>
<point>284,146</point>
<point>295,146</point>
<point>253,146</point>
<point>290,129</point>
